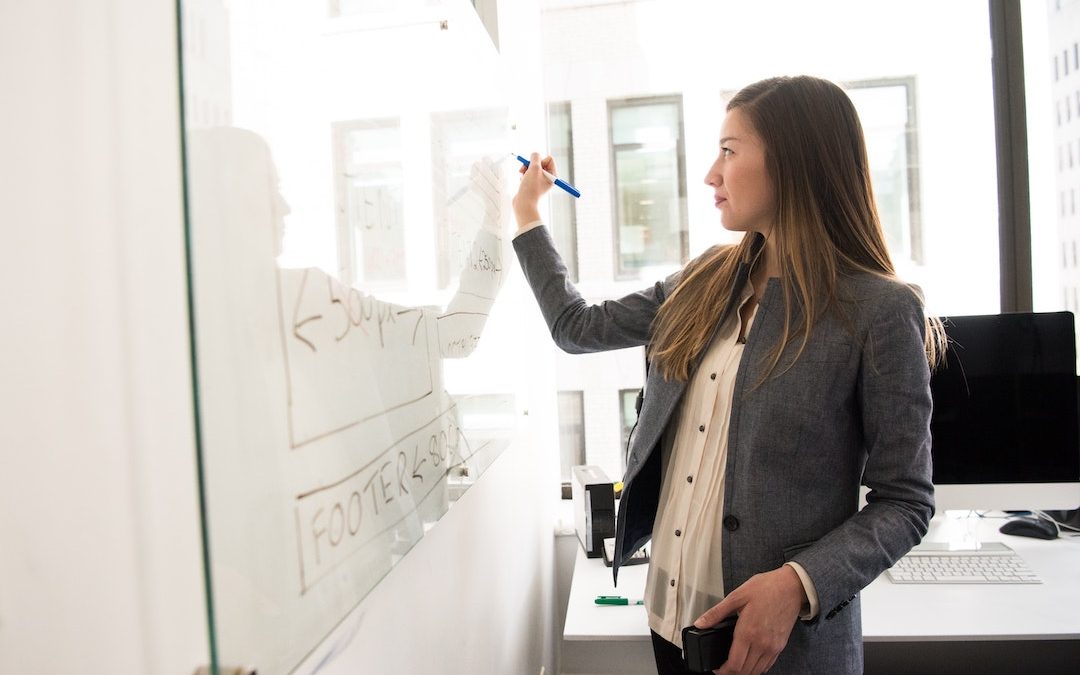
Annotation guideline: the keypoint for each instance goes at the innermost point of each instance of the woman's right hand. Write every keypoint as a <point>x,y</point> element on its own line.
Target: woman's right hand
<point>533,186</point>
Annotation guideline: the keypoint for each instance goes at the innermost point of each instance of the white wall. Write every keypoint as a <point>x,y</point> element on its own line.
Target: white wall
<point>101,567</point>
<point>100,570</point>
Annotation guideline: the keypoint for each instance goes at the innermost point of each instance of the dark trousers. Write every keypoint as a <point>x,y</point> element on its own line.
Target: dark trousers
<point>669,659</point>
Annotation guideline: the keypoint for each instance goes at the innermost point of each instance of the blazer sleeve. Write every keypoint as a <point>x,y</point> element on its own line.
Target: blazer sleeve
<point>576,326</point>
<point>893,393</point>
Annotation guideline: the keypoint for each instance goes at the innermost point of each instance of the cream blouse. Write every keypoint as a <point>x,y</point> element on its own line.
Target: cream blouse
<point>685,571</point>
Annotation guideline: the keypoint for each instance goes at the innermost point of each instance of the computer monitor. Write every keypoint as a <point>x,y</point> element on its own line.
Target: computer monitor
<point>1005,422</point>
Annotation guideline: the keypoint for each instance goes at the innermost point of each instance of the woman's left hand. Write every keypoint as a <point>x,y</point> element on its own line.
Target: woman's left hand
<point>768,605</point>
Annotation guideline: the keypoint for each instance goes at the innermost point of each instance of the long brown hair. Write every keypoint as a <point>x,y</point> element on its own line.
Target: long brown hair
<point>826,223</point>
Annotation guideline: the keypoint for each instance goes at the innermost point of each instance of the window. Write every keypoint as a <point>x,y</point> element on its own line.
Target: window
<point>648,168</point>
<point>563,211</point>
<point>627,418</point>
<point>370,207</point>
<point>1050,32</point>
<point>887,111</point>
<point>571,431</point>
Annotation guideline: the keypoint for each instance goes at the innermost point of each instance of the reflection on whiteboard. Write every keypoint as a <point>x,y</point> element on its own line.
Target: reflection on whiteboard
<point>329,442</point>
<point>350,358</point>
<point>370,200</point>
<point>458,138</point>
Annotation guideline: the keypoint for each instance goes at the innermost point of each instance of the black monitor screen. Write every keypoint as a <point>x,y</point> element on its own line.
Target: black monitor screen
<point>1005,402</point>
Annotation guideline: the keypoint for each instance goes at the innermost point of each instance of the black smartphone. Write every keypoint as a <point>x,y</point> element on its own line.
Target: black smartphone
<point>705,649</point>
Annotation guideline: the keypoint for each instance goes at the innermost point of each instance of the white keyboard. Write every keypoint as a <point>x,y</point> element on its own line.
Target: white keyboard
<point>994,563</point>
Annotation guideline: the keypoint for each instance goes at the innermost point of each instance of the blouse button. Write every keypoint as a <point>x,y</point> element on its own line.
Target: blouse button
<point>678,533</point>
<point>689,479</point>
<point>673,583</point>
<point>701,428</point>
<point>712,377</point>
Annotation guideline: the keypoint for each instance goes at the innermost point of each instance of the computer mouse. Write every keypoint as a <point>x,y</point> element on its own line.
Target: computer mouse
<point>1026,526</point>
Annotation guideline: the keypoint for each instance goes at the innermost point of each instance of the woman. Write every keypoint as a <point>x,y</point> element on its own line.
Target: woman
<point>786,370</point>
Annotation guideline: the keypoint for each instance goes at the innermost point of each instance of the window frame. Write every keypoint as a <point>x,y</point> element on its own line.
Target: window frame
<point>561,396</point>
<point>1010,133</point>
<point>566,234</point>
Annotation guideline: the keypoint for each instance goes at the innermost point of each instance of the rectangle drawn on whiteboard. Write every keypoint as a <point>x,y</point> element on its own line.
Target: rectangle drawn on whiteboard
<point>336,521</point>
<point>349,357</point>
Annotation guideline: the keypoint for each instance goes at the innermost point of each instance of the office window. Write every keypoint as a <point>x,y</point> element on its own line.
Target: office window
<point>571,431</point>
<point>563,211</point>
<point>887,111</point>
<point>1049,34</point>
<point>648,168</point>
<point>370,207</point>
<point>627,418</point>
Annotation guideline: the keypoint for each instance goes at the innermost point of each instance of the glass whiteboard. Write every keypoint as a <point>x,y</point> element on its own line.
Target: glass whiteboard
<point>345,202</point>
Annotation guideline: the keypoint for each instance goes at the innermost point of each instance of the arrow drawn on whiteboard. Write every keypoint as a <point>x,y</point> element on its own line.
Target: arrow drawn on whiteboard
<point>416,466</point>
<point>296,331</point>
<point>298,323</point>
<point>419,318</point>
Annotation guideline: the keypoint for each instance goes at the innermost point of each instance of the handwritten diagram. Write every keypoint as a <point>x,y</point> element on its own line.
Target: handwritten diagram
<point>349,357</point>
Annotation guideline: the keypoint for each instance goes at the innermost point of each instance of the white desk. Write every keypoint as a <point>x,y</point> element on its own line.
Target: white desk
<point>958,628</point>
<point>605,638</point>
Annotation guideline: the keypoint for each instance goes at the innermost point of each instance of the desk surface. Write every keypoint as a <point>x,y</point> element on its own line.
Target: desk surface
<point>982,612</point>
<point>585,620</point>
<point>891,612</point>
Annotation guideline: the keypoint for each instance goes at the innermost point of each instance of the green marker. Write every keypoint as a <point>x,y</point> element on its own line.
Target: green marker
<point>617,600</point>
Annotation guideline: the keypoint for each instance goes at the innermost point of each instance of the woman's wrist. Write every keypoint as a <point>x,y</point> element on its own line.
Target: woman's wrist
<point>526,215</point>
<point>528,227</point>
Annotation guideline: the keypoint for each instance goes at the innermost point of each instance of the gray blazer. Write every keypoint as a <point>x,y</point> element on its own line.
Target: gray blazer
<point>854,408</point>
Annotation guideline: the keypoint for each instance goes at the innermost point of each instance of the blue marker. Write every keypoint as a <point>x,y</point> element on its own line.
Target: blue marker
<point>558,181</point>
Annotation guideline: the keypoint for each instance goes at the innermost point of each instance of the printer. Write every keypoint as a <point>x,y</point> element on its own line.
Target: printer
<point>593,496</point>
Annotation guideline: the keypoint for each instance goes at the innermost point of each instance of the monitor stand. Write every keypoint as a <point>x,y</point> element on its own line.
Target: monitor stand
<point>1070,517</point>
<point>955,531</point>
